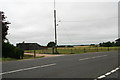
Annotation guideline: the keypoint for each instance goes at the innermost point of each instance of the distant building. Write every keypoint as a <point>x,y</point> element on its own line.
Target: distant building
<point>29,46</point>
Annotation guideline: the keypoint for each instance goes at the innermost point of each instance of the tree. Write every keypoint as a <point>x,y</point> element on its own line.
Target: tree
<point>110,44</point>
<point>107,44</point>
<point>51,44</point>
<point>8,50</point>
<point>4,26</point>
<point>117,42</point>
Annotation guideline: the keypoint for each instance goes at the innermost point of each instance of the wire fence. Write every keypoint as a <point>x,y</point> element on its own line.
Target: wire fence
<point>73,50</point>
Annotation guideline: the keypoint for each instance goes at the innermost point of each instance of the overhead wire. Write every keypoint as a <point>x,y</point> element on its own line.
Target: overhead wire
<point>65,29</point>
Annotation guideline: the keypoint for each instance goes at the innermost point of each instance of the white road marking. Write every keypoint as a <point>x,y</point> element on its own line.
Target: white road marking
<point>84,58</point>
<point>108,73</point>
<point>101,77</point>
<point>116,69</point>
<point>99,56</point>
<point>112,71</point>
<point>92,57</point>
<point>27,69</point>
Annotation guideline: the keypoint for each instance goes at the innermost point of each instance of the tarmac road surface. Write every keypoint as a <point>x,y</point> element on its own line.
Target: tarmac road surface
<point>96,65</point>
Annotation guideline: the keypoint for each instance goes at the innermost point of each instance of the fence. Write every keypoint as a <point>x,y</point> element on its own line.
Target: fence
<point>73,50</point>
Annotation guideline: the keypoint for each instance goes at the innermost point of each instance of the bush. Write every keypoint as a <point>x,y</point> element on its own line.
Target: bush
<point>11,51</point>
<point>19,53</point>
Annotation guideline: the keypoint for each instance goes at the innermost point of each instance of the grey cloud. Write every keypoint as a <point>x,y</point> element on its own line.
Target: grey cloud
<point>32,21</point>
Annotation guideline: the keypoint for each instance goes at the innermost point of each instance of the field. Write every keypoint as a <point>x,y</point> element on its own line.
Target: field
<point>74,50</point>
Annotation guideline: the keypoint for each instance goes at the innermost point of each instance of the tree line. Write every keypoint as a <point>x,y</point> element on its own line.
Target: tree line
<point>110,44</point>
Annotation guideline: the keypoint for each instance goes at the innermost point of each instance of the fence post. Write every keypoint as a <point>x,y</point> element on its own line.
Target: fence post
<point>22,56</point>
<point>44,51</point>
<point>97,49</point>
<point>75,50</point>
<point>34,53</point>
<point>71,51</point>
<point>53,50</point>
<point>108,49</point>
<point>84,50</point>
<point>39,51</point>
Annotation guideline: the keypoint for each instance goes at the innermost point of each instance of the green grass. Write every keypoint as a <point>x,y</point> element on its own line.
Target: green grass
<point>7,59</point>
<point>26,56</point>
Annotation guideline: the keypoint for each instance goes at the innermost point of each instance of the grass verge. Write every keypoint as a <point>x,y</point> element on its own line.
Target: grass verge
<point>26,56</point>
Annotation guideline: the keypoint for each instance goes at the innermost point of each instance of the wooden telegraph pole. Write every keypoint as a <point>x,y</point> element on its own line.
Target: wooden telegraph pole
<point>55,28</point>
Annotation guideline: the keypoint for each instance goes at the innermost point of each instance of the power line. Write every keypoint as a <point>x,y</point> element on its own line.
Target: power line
<point>69,21</point>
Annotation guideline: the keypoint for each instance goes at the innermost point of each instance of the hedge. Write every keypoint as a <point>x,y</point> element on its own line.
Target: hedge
<point>9,50</point>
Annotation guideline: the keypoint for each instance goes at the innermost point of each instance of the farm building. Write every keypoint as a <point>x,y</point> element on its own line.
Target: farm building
<point>29,46</point>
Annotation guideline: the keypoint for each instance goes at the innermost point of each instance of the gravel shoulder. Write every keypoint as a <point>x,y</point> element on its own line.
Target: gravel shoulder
<point>45,55</point>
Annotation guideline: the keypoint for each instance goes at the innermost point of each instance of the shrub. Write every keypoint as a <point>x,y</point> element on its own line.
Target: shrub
<point>11,51</point>
<point>19,53</point>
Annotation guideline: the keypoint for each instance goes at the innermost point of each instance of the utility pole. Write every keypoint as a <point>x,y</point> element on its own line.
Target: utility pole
<point>55,28</point>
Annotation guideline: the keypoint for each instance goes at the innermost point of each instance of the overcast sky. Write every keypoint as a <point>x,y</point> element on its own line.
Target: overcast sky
<point>81,21</point>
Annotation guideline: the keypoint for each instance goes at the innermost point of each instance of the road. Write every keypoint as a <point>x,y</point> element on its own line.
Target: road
<point>88,65</point>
